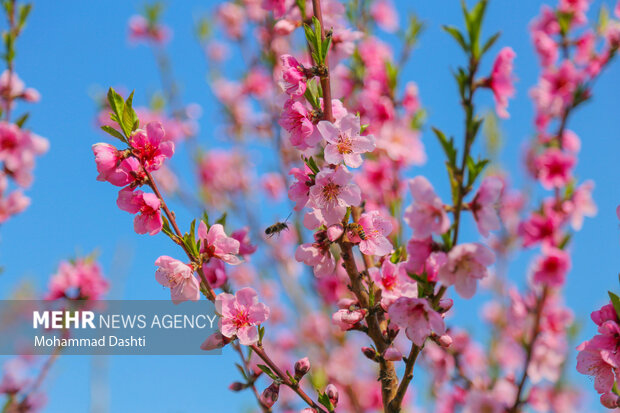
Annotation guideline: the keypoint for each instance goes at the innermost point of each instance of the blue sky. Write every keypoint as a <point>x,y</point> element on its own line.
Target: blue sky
<point>71,47</point>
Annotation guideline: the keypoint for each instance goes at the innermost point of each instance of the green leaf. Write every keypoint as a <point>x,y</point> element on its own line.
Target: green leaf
<point>564,20</point>
<point>615,300</point>
<point>312,165</point>
<point>166,227</point>
<point>129,117</point>
<point>268,371</point>
<point>489,43</point>
<point>22,119</point>
<point>456,34</point>
<point>312,93</point>
<point>117,105</point>
<point>24,11</point>
<point>324,400</point>
<point>603,19</point>
<point>447,146</point>
<point>222,220</point>
<point>113,132</point>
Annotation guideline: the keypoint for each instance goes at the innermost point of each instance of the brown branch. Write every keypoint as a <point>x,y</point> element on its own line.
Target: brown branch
<point>530,350</point>
<point>325,83</point>
<point>285,379</point>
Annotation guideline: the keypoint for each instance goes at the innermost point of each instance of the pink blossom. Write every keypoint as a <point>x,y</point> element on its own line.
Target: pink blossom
<point>107,158</point>
<point>150,146</point>
<point>179,277</point>
<point>215,243</point>
<point>411,98</point>
<point>277,6</point>
<point>401,143</point>
<point>215,273</point>
<point>426,215</point>
<point>384,13</point>
<point>18,149</point>
<point>598,358</point>
<point>546,48</point>
<point>293,75</point>
<point>417,317</point>
<point>214,341</point>
<point>296,120</point>
<point>299,191</point>
<point>393,281</point>
<point>551,268</point>
<point>344,142</point>
<point>376,230</point>
<point>232,17</point>
<point>333,192</point>
<point>466,264</point>
<point>245,246</point>
<point>556,88</point>
<point>478,401</point>
<point>585,47</point>
<point>347,318</point>
<point>582,205</point>
<point>485,204</point>
<point>273,184</point>
<point>318,255</point>
<point>606,313</point>
<point>393,354</point>
<point>539,228</point>
<point>501,81</point>
<point>240,314</point>
<point>82,279</point>
<point>147,204</point>
<point>141,29</point>
<point>554,168</point>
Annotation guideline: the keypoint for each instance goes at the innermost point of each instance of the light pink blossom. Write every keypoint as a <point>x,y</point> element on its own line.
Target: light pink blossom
<point>293,75</point>
<point>179,277</point>
<point>333,192</point>
<point>485,204</point>
<point>466,264</point>
<point>215,243</point>
<point>384,13</point>
<point>417,317</point>
<point>376,230</point>
<point>240,314</point>
<point>299,191</point>
<point>426,215</point>
<point>393,281</point>
<point>317,254</point>
<point>344,142</point>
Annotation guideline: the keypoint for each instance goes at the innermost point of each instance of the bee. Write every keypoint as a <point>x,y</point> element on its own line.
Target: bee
<point>277,227</point>
<point>357,229</point>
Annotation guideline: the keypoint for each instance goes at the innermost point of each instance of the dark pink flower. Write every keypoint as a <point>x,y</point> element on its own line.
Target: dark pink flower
<point>501,81</point>
<point>551,268</point>
<point>82,279</point>
<point>299,191</point>
<point>296,120</point>
<point>147,205</point>
<point>293,75</point>
<point>555,168</point>
<point>150,146</point>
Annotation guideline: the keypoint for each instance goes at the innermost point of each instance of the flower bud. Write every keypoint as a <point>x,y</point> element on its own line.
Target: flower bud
<point>369,353</point>
<point>270,395</point>
<point>445,340</point>
<point>393,354</point>
<point>610,400</point>
<point>301,368</point>
<point>445,304</point>
<point>332,394</point>
<point>236,386</point>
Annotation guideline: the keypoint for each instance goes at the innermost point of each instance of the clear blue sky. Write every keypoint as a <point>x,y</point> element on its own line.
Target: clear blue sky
<point>71,46</point>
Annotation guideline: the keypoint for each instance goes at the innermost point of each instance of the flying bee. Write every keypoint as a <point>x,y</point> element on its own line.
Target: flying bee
<point>357,229</point>
<point>277,227</point>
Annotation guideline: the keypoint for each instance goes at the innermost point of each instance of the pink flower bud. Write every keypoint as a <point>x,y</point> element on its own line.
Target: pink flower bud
<point>445,340</point>
<point>214,341</point>
<point>445,304</point>
<point>393,354</point>
<point>236,386</point>
<point>301,368</point>
<point>270,395</point>
<point>332,393</point>
<point>370,353</point>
